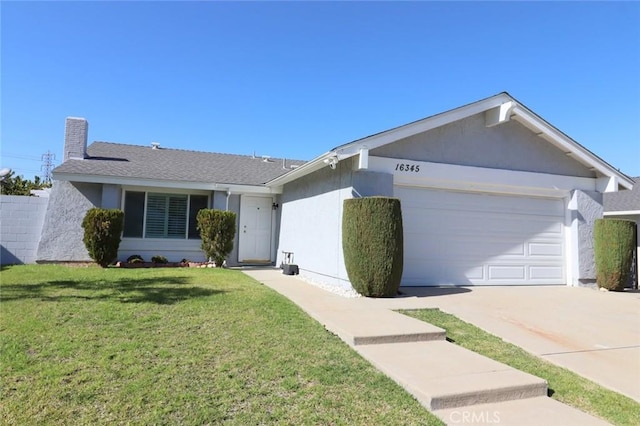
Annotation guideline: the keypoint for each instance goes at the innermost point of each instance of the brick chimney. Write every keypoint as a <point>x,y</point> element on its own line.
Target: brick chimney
<point>75,138</point>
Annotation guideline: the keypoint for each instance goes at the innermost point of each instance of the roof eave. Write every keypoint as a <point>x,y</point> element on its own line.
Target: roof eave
<point>388,136</point>
<point>572,148</point>
<point>161,183</point>
<point>515,110</point>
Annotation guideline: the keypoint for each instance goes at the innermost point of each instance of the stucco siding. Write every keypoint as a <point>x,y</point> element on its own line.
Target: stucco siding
<point>234,206</point>
<point>469,142</point>
<point>585,208</point>
<point>62,232</point>
<point>111,196</point>
<point>21,220</point>
<point>311,224</point>
<point>173,249</point>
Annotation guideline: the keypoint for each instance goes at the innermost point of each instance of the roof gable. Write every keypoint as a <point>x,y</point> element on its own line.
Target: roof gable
<point>497,109</point>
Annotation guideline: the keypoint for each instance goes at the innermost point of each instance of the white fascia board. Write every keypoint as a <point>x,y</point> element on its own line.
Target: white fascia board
<point>623,213</point>
<point>392,135</point>
<point>307,168</point>
<point>530,120</point>
<point>478,179</point>
<point>424,125</point>
<point>155,183</point>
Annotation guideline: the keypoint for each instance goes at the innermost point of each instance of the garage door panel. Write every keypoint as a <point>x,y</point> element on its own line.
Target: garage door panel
<point>480,239</point>
<point>556,274</point>
<point>480,223</point>
<point>552,249</point>
<point>507,272</point>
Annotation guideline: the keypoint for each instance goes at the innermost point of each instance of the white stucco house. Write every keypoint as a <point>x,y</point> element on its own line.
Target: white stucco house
<point>491,194</point>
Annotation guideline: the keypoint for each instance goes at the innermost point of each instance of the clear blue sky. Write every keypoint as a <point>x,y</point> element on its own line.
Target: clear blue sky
<point>296,79</point>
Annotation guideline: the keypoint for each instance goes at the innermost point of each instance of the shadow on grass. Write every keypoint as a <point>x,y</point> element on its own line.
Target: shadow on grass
<point>160,290</point>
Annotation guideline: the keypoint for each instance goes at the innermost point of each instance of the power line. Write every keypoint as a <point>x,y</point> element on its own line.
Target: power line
<point>21,157</point>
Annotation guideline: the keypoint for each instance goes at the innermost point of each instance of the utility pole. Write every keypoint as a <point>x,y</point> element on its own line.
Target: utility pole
<point>47,165</point>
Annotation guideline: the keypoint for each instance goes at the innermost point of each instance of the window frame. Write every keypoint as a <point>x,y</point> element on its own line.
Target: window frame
<point>168,192</point>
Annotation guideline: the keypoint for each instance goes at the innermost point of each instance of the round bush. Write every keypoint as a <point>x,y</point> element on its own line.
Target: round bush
<point>614,241</point>
<point>372,242</point>
<point>159,259</point>
<point>135,258</point>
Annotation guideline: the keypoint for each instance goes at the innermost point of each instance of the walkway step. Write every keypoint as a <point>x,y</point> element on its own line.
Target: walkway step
<point>442,375</point>
<point>522,412</point>
<point>379,326</point>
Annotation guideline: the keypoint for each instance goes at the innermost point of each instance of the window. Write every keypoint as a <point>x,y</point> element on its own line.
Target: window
<point>159,215</point>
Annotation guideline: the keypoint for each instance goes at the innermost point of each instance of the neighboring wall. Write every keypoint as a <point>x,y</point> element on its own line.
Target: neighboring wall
<point>21,220</point>
<point>62,232</point>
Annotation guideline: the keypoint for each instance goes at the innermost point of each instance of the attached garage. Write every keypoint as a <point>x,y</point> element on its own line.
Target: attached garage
<point>491,194</point>
<point>465,238</point>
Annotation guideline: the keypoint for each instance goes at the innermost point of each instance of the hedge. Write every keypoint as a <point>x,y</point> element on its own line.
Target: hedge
<point>372,242</point>
<point>614,242</point>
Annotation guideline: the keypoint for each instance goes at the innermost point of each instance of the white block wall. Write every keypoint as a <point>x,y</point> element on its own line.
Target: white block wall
<point>21,220</point>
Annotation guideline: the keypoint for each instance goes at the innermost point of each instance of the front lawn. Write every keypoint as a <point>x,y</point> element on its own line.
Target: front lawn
<point>177,346</point>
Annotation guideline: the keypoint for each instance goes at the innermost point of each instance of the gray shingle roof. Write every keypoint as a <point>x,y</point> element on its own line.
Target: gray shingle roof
<point>143,162</point>
<point>623,200</point>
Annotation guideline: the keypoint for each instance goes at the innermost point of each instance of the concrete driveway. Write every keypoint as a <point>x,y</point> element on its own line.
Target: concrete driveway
<point>595,334</point>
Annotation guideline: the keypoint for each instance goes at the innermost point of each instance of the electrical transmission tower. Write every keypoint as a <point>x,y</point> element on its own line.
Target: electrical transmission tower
<point>47,165</point>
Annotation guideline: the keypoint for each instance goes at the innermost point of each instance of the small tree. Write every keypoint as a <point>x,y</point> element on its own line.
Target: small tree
<point>372,242</point>
<point>102,230</point>
<point>17,185</point>
<point>217,230</point>
<point>614,241</point>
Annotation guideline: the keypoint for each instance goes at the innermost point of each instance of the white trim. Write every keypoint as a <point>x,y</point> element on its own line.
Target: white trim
<point>623,213</point>
<point>572,242</point>
<point>479,179</point>
<point>498,115</point>
<point>508,108</point>
<point>166,190</point>
<point>553,135</point>
<point>155,183</point>
<point>305,169</point>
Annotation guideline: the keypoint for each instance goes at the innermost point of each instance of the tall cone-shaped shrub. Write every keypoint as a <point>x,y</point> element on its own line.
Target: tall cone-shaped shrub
<point>217,230</point>
<point>372,243</point>
<point>614,240</point>
<point>102,230</point>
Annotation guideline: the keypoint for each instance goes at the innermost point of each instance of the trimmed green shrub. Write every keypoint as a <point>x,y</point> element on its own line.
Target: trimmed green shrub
<point>217,230</point>
<point>102,230</point>
<point>614,241</point>
<point>372,242</point>
<point>135,258</point>
<point>159,259</point>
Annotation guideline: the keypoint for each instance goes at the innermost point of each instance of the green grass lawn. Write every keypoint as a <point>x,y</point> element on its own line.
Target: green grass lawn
<point>564,385</point>
<point>177,346</point>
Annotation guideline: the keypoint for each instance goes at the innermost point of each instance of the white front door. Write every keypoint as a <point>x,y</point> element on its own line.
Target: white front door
<point>254,242</point>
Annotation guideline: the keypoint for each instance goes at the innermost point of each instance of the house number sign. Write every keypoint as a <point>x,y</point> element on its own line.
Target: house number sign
<point>405,167</point>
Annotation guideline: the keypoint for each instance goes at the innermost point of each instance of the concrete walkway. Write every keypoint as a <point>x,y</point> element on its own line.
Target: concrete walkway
<point>459,386</point>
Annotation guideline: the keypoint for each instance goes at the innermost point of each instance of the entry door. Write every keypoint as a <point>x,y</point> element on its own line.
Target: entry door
<point>254,243</point>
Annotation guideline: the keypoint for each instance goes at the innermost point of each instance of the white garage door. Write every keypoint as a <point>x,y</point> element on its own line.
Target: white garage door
<point>460,238</point>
